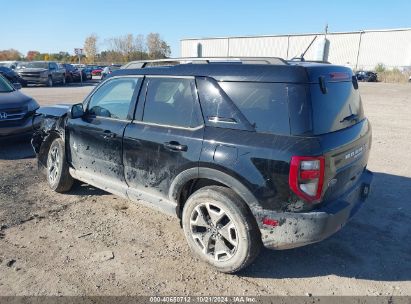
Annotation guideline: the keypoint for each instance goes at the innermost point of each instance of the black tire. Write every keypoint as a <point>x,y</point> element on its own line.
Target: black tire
<point>233,241</point>
<point>58,175</point>
<point>50,82</point>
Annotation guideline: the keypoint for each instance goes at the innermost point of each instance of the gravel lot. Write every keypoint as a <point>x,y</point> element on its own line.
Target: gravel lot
<point>89,242</point>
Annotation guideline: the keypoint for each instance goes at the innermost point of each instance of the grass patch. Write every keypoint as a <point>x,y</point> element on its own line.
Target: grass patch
<point>393,75</point>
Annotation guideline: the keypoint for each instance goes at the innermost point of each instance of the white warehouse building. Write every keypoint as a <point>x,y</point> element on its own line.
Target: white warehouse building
<point>361,50</point>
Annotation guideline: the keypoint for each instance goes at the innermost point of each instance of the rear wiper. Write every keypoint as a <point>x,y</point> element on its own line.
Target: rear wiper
<point>352,117</point>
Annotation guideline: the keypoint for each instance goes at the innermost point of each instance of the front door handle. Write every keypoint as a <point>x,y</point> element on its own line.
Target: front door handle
<point>175,146</point>
<point>108,134</point>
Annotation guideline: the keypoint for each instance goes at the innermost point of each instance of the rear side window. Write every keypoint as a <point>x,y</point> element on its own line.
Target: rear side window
<point>172,101</point>
<point>264,105</point>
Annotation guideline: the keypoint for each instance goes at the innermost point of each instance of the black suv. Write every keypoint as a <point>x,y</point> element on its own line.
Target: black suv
<point>17,112</point>
<point>246,152</point>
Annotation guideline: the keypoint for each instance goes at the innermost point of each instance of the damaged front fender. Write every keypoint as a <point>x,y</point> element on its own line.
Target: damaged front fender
<point>52,125</point>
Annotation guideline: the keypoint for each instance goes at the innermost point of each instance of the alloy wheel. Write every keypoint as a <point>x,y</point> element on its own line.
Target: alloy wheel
<point>214,232</point>
<point>53,164</point>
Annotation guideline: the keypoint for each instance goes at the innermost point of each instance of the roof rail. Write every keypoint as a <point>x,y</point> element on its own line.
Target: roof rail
<point>298,60</point>
<point>140,64</point>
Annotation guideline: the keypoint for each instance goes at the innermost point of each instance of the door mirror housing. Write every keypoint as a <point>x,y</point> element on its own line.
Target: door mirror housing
<point>76,111</point>
<point>17,86</point>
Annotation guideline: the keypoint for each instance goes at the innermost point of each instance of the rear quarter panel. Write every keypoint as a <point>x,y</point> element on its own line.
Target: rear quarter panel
<point>259,161</point>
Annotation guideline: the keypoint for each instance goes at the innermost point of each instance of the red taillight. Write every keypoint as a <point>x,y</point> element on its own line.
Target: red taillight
<point>307,177</point>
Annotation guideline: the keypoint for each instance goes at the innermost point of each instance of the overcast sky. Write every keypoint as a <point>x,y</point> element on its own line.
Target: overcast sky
<point>51,26</point>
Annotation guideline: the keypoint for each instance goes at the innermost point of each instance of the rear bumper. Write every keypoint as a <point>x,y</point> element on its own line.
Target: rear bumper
<point>299,229</point>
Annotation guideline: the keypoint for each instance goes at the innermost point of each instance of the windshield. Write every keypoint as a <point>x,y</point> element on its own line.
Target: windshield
<point>33,64</point>
<point>5,86</point>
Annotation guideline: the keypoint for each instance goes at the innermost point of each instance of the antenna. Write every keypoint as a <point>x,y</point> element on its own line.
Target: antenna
<point>306,50</point>
<point>301,58</point>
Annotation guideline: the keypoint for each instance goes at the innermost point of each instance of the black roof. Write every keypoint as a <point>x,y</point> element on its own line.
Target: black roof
<point>291,72</point>
<point>227,72</point>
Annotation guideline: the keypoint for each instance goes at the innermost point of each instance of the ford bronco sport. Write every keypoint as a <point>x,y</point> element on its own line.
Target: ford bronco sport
<point>245,152</point>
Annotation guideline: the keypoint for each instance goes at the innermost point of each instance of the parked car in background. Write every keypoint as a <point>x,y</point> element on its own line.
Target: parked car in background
<point>96,70</point>
<point>245,153</point>
<point>9,64</point>
<point>367,76</point>
<point>17,111</point>
<point>109,69</point>
<point>84,70</point>
<point>42,72</point>
<point>12,76</point>
<point>86,73</point>
<point>72,73</point>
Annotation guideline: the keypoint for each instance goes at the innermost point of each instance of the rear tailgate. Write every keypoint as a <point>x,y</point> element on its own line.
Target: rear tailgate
<point>335,100</point>
<point>346,154</point>
<point>338,121</point>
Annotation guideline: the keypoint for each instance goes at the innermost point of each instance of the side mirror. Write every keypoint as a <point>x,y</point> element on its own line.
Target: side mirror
<point>17,85</point>
<point>76,111</point>
<point>355,82</point>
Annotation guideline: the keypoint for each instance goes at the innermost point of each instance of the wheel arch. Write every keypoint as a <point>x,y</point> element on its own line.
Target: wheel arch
<point>193,179</point>
<point>45,136</point>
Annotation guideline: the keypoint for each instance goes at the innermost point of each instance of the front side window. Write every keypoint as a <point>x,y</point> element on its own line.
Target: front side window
<point>113,98</point>
<point>171,101</point>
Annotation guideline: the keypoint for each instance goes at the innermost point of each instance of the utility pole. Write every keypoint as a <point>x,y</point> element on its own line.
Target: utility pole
<point>79,53</point>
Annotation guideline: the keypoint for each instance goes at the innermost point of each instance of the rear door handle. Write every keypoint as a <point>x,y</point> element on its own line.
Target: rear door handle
<point>175,146</point>
<point>108,134</point>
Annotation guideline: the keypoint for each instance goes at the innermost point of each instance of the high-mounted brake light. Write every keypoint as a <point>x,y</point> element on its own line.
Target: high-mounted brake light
<point>307,177</point>
<point>340,76</point>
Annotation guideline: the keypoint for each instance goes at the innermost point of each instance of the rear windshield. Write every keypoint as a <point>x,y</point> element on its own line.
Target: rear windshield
<point>340,107</point>
<point>263,104</point>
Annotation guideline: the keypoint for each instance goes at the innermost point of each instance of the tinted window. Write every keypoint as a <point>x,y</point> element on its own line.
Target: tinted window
<point>171,101</point>
<point>331,111</point>
<point>5,85</point>
<point>113,98</point>
<point>265,105</point>
<point>218,109</point>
